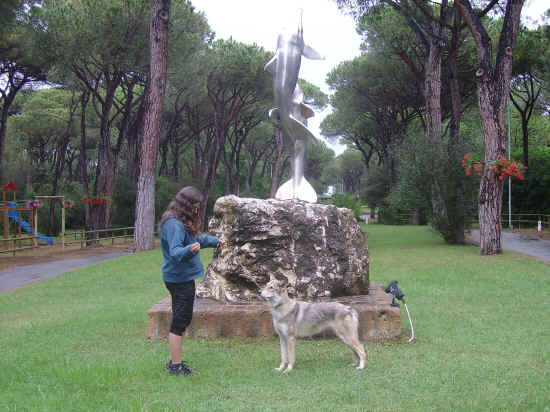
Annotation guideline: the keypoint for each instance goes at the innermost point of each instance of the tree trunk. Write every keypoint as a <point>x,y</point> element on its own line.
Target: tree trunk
<point>527,90</point>
<point>3,133</point>
<point>493,84</point>
<point>525,132</point>
<point>133,144</point>
<point>250,170</point>
<point>229,183</point>
<point>175,171</point>
<point>432,95</point>
<point>490,189</point>
<point>163,169</point>
<point>107,158</point>
<point>432,92</point>
<point>83,160</point>
<point>145,201</point>
<point>225,112</point>
<point>456,201</point>
<point>110,173</point>
<point>214,156</point>
<point>60,160</point>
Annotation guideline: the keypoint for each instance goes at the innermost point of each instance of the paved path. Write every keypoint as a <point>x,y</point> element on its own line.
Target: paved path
<point>522,242</point>
<point>23,275</point>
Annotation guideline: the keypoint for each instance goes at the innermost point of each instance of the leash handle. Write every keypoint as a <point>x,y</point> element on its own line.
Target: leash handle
<point>410,322</point>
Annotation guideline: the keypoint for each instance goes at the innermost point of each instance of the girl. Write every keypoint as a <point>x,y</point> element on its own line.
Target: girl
<point>181,265</point>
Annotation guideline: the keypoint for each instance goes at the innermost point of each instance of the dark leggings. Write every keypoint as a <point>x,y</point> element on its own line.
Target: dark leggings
<point>183,299</point>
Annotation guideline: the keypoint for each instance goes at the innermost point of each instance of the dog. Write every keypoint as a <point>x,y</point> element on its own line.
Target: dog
<point>294,318</point>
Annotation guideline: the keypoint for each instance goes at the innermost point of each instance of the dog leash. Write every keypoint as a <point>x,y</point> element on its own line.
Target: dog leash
<point>398,294</point>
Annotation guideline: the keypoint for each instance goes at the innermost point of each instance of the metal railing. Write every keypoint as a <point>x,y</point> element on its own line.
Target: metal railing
<point>538,221</point>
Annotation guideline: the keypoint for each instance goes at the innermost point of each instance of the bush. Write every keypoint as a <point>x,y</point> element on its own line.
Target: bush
<point>423,168</point>
<point>348,201</point>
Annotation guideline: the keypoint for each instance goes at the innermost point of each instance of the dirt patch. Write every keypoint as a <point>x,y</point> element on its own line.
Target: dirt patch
<point>46,254</point>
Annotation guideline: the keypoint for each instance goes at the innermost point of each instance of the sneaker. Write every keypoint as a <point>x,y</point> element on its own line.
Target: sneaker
<point>178,369</point>
<point>169,365</point>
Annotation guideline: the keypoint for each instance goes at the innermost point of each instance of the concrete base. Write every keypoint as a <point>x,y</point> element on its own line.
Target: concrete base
<point>377,318</point>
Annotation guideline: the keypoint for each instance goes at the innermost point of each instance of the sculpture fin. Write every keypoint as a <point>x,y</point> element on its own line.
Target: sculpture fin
<point>300,130</point>
<point>270,65</point>
<point>306,111</point>
<point>310,53</point>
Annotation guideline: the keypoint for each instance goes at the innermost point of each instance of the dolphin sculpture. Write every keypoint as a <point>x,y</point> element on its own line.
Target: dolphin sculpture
<point>291,113</point>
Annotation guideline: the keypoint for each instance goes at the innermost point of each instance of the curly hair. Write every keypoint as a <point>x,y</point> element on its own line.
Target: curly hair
<point>181,207</point>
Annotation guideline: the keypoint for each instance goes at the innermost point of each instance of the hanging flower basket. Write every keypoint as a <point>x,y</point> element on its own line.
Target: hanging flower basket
<point>472,166</point>
<point>68,204</point>
<point>97,200</point>
<point>33,204</point>
<point>502,167</point>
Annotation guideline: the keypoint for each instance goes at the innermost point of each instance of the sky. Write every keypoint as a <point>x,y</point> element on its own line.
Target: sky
<point>326,29</point>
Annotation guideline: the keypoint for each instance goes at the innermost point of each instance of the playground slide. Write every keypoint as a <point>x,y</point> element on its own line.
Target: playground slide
<point>13,215</point>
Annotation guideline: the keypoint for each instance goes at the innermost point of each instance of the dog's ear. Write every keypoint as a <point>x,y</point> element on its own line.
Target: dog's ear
<point>279,277</point>
<point>280,281</point>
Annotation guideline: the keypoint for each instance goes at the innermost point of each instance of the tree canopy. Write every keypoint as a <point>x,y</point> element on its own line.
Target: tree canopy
<point>73,104</point>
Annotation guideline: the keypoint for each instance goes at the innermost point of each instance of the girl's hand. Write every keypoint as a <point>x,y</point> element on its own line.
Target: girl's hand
<point>195,247</point>
<point>221,244</point>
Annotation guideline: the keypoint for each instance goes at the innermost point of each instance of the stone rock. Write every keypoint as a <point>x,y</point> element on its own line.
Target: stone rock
<point>318,250</point>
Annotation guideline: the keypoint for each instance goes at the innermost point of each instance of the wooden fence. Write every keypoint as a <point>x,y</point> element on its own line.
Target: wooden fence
<point>18,243</point>
<point>95,237</point>
<point>82,237</point>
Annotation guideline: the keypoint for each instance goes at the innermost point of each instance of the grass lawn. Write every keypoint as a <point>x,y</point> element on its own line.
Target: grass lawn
<point>77,342</point>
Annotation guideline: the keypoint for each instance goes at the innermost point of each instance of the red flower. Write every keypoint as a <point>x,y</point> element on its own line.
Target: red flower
<point>502,167</point>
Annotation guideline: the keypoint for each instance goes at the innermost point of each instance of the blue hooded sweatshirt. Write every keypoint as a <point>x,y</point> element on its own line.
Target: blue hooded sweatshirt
<point>179,263</point>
